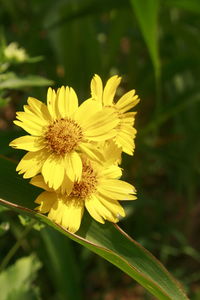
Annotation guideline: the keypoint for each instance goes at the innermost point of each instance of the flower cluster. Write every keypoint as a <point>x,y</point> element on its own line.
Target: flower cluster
<point>74,152</point>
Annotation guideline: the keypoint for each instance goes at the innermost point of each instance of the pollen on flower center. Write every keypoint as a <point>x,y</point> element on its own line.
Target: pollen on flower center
<point>87,185</point>
<point>63,136</point>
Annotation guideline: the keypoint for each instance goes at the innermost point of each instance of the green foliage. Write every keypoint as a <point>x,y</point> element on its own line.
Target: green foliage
<point>16,282</point>
<point>79,38</point>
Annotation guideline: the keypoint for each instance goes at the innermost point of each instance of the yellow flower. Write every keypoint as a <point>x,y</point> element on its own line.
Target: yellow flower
<point>125,130</point>
<point>59,132</point>
<point>98,191</point>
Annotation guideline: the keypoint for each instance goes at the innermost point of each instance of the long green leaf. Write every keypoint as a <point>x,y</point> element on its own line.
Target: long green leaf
<point>108,240</point>
<point>192,5</point>
<point>146,12</point>
<point>18,83</point>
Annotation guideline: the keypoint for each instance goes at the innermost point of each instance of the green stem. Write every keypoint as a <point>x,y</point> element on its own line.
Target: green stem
<point>16,246</point>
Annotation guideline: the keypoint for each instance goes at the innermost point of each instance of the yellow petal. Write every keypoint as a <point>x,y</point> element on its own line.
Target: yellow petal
<point>112,172</point>
<point>39,182</point>
<point>127,101</point>
<point>29,143</point>
<point>87,109</point>
<point>110,90</point>
<point>31,128</point>
<point>116,189</point>
<point>32,163</point>
<point>72,214</point>
<point>46,201</point>
<point>56,211</point>
<point>73,166</point>
<point>39,108</point>
<point>119,185</point>
<point>126,142</point>
<point>51,102</point>
<point>112,205</point>
<point>67,102</point>
<point>93,210</point>
<point>67,186</point>
<point>29,118</point>
<point>90,151</point>
<point>101,125</point>
<point>112,153</point>
<point>53,171</point>
<point>96,88</point>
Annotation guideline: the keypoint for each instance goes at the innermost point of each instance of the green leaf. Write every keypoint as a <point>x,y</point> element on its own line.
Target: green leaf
<point>146,12</point>
<point>60,259</point>
<point>16,281</point>
<point>192,5</point>
<point>108,240</point>
<point>15,82</point>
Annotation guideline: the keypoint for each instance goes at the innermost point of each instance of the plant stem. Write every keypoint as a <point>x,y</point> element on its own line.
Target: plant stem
<point>16,246</point>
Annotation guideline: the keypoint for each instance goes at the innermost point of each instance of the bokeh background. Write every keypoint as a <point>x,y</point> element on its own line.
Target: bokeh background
<point>155,46</point>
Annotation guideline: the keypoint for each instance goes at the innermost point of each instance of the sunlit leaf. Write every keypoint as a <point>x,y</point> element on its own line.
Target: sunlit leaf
<point>16,280</point>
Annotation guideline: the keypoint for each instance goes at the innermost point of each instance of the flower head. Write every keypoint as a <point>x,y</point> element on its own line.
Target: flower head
<point>98,191</point>
<point>125,135</point>
<point>59,133</point>
<point>13,52</point>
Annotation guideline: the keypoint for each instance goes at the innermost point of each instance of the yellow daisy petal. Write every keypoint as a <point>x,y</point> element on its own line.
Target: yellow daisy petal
<point>96,88</point>
<point>116,189</point>
<point>112,205</point>
<point>46,201</point>
<point>87,109</point>
<point>67,102</point>
<point>56,211</point>
<point>72,214</point>
<point>110,90</point>
<point>39,108</point>
<point>93,210</point>
<point>28,118</point>
<point>39,182</point>
<point>90,151</point>
<point>73,166</point>
<point>101,126</point>
<point>31,163</point>
<point>51,103</point>
<point>126,142</point>
<point>67,186</point>
<point>112,153</point>
<point>29,143</point>
<point>112,172</point>
<point>105,212</point>
<point>30,128</point>
<point>53,171</point>
<point>127,101</point>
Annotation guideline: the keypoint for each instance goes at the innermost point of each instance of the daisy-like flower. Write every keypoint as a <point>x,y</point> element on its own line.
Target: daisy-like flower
<point>124,138</point>
<point>98,191</point>
<point>59,132</point>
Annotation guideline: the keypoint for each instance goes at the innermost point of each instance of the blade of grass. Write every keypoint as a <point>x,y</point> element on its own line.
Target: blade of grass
<point>146,12</point>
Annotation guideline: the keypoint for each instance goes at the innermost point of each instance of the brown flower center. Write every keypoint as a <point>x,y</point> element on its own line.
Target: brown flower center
<point>63,136</point>
<point>87,185</point>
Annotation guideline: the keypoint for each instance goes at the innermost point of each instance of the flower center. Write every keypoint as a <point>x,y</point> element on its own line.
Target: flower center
<point>87,185</point>
<point>63,136</point>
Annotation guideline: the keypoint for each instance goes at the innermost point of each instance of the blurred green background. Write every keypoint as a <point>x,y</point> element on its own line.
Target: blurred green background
<point>155,46</point>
